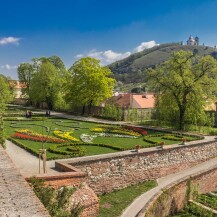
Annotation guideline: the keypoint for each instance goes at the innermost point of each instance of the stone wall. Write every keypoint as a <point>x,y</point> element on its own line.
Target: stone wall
<point>16,196</point>
<point>173,197</point>
<point>84,197</point>
<point>118,170</point>
<point>68,176</point>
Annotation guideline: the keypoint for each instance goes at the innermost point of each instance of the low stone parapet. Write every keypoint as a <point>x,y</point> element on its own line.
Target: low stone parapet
<point>173,197</point>
<point>109,172</point>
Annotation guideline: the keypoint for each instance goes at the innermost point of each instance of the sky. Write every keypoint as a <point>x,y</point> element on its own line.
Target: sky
<point>105,29</point>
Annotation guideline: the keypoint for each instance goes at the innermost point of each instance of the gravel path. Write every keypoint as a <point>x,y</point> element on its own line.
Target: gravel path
<point>27,163</point>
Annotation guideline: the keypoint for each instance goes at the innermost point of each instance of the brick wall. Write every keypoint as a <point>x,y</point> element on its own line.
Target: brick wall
<point>119,170</point>
<point>173,197</point>
<point>70,176</point>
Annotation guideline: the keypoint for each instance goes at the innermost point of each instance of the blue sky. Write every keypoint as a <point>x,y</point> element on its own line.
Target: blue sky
<point>105,29</point>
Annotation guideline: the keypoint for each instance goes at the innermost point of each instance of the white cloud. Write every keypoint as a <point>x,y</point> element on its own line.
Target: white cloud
<point>145,45</point>
<point>79,56</point>
<point>106,57</point>
<point>8,67</point>
<point>109,56</point>
<point>9,40</point>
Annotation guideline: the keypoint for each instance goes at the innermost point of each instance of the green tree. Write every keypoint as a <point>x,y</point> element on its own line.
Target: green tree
<point>5,97</point>
<point>45,85</point>
<point>184,82</point>
<point>25,73</point>
<point>89,83</point>
<point>57,62</point>
<point>5,93</point>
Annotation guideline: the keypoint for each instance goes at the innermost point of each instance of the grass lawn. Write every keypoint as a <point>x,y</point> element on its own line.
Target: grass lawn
<point>113,204</point>
<point>77,128</point>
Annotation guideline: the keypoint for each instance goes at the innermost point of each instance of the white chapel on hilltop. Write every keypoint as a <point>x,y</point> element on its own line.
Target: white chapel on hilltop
<point>193,41</point>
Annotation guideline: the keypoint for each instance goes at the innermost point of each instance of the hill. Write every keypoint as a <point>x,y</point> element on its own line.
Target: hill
<point>132,69</point>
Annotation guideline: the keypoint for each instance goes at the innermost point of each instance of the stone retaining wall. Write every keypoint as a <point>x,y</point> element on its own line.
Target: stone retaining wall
<point>83,197</point>
<point>173,197</point>
<point>70,176</point>
<point>115,171</point>
<point>16,196</point>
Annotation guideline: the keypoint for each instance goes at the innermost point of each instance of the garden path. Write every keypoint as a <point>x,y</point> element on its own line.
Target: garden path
<point>27,163</point>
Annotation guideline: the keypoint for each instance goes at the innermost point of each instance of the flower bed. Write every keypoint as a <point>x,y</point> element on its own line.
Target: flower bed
<point>30,135</point>
<point>87,138</point>
<point>117,130</point>
<point>66,135</point>
<point>98,129</point>
<point>115,135</point>
<point>137,129</point>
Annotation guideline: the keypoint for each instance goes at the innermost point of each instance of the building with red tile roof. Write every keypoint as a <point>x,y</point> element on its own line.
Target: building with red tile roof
<point>17,86</point>
<point>129,100</point>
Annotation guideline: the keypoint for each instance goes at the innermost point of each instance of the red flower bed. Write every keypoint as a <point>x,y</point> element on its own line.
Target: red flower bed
<point>37,138</point>
<point>138,129</point>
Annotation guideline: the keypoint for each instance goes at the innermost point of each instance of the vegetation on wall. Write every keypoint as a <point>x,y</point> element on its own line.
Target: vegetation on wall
<point>55,201</point>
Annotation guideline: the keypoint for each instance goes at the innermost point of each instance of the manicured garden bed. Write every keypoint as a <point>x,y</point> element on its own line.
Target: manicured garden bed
<point>89,138</point>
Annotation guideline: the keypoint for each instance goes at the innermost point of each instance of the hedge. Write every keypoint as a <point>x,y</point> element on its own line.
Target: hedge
<point>72,151</point>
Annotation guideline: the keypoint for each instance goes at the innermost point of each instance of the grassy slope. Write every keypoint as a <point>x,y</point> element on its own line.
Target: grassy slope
<point>114,203</point>
<point>156,55</point>
<point>153,56</point>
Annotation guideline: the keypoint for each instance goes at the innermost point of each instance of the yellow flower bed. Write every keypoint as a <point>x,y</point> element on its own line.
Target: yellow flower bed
<point>125,132</point>
<point>98,129</point>
<point>117,130</point>
<point>65,135</point>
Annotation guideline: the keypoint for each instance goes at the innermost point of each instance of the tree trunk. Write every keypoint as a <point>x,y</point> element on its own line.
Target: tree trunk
<point>182,119</point>
<point>83,110</point>
<point>90,107</point>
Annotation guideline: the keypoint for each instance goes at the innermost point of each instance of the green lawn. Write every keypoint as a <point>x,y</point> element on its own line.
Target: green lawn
<point>77,128</point>
<point>113,204</point>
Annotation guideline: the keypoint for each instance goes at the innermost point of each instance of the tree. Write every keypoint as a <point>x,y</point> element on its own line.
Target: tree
<point>89,83</point>
<point>57,62</point>
<point>45,85</point>
<point>36,72</point>
<point>5,93</point>
<point>25,73</point>
<point>184,82</point>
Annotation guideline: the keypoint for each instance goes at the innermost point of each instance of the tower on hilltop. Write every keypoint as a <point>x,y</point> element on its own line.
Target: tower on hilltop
<point>193,41</point>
